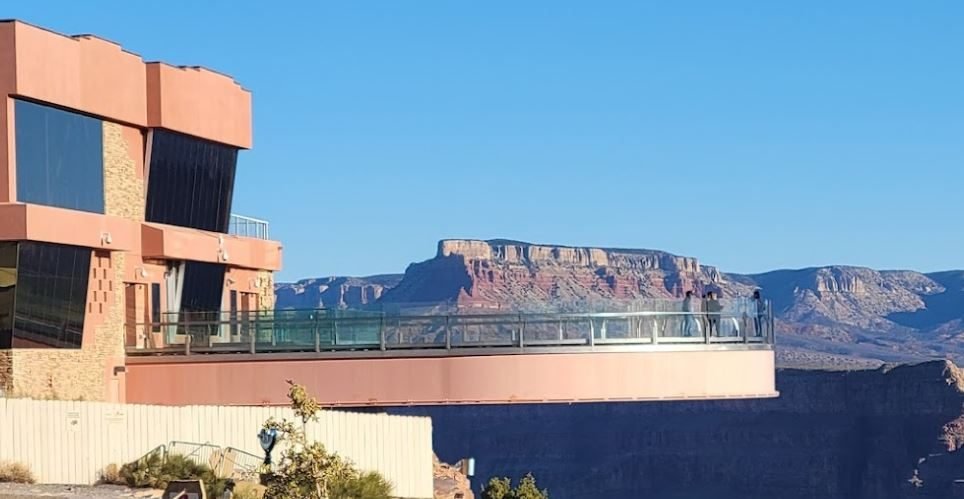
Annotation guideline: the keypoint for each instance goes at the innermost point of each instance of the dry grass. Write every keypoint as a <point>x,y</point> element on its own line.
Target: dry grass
<point>111,475</point>
<point>12,472</point>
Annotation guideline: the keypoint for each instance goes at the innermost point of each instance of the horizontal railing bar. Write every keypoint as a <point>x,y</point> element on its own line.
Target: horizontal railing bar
<point>461,319</point>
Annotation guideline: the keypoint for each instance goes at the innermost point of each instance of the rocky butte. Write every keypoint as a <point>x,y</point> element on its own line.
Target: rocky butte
<point>837,432</point>
<point>826,316</point>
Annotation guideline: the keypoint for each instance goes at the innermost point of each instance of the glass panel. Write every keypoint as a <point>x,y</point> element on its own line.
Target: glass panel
<point>234,312</point>
<point>60,159</point>
<point>51,295</point>
<point>201,295</point>
<point>191,182</point>
<point>155,307</point>
<point>8,288</point>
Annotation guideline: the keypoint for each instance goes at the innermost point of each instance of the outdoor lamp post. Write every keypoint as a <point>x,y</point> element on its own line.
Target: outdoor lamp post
<point>268,438</point>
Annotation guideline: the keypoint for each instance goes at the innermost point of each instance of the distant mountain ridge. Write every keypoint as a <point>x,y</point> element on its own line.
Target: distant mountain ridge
<point>847,311</point>
<point>334,292</point>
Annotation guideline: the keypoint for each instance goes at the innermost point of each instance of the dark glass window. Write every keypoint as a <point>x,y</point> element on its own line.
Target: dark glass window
<point>51,295</point>
<point>234,313</point>
<point>8,289</point>
<point>155,307</point>
<point>203,285</point>
<point>60,158</point>
<point>191,181</point>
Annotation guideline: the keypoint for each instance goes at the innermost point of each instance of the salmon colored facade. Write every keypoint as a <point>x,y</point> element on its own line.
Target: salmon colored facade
<point>135,117</point>
<point>116,182</point>
<point>481,379</point>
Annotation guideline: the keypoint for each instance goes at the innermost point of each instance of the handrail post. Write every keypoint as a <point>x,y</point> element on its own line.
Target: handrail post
<point>772,332</point>
<point>746,328</point>
<point>253,334</point>
<point>655,332</point>
<point>522,331</point>
<point>187,344</point>
<point>381,331</point>
<point>448,333</point>
<point>592,332</point>
<point>706,333</point>
<point>317,333</point>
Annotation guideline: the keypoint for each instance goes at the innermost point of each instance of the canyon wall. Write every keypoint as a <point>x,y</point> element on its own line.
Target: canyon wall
<point>872,434</point>
<point>839,315</point>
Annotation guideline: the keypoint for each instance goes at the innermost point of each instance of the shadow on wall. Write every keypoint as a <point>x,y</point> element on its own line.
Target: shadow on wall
<point>831,435</point>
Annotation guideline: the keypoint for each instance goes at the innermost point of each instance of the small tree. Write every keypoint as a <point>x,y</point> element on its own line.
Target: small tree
<point>307,470</point>
<point>527,489</point>
<point>497,488</point>
<point>501,488</point>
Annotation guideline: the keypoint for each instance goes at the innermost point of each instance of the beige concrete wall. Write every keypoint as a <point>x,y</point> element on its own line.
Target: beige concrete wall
<point>70,442</point>
<point>86,373</point>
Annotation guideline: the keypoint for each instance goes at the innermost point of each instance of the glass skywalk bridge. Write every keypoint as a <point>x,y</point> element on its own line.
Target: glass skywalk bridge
<point>449,332</point>
<point>439,355</point>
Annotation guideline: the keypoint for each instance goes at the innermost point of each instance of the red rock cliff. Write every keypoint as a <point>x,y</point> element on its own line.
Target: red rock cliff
<point>511,274</point>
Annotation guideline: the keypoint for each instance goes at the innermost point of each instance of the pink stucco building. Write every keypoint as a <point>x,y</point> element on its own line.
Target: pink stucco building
<point>116,182</point>
<point>124,275</point>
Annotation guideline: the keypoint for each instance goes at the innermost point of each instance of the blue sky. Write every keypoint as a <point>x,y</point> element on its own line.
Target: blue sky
<point>753,135</point>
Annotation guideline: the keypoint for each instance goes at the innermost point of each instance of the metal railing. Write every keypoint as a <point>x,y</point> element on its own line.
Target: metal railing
<point>226,462</point>
<point>343,330</point>
<point>248,227</point>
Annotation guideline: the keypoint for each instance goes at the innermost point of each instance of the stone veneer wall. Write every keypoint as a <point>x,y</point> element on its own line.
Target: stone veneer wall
<point>6,371</point>
<point>123,176</point>
<point>266,289</point>
<point>80,374</point>
<point>83,374</point>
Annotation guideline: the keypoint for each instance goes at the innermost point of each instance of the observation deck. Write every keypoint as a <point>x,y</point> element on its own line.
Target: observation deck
<point>650,350</point>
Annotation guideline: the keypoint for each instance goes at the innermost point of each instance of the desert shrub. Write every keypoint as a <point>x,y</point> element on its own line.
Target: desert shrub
<point>246,490</point>
<point>307,470</point>
<point>497,488</point>
<point>111,475</point>
<point>156,470</point>
<point>13,472</point>
<point>501,488</point>
<point>369,485</point>
<point>527,489</point>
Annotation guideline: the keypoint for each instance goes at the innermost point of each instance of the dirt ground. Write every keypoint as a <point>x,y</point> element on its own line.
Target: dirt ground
<point>17,491</point>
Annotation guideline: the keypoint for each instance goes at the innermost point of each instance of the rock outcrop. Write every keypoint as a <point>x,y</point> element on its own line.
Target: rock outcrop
<point>519,276</point>
<point>450,483</point>
<point>840,311</point>
<point>889,433</point>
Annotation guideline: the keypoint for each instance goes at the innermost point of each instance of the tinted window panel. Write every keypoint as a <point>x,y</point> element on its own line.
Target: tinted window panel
<point>203,285</point>
<point>8,289</point>
<point>155,307</point>
<point>191,182</point>
<point>60,159</point>
<point>51,295</point>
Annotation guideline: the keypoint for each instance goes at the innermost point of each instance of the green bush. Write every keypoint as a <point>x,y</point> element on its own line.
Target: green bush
<point>369,485</point>
<point>501,488</point>
<point>156,470</point>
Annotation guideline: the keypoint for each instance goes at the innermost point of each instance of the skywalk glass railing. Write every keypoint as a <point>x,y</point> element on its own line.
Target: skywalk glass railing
<point>649,323</point>
<point>248,227</point>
